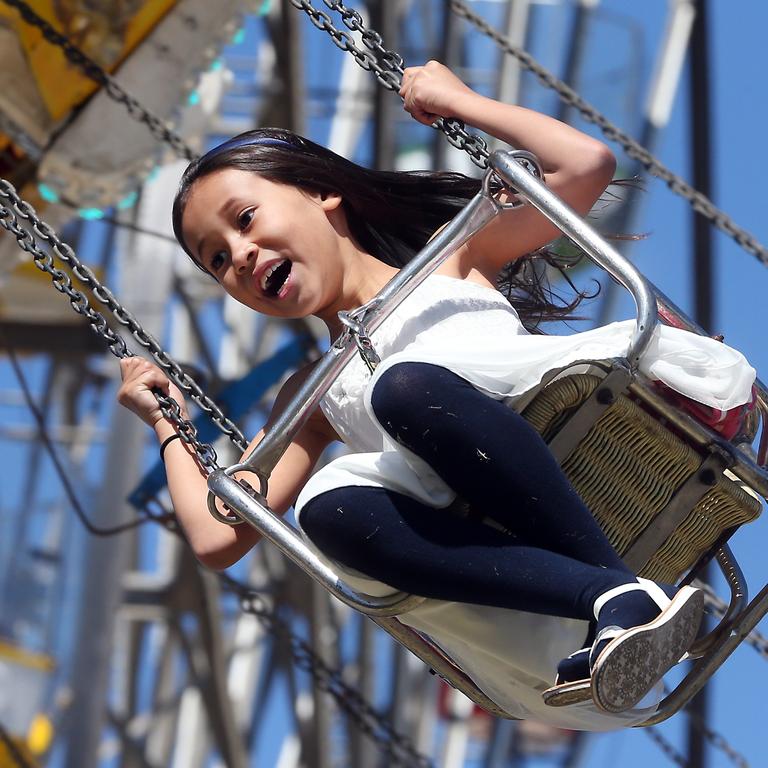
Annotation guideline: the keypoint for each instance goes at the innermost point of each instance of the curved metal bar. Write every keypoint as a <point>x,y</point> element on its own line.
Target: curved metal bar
<point>739,598</point>
<point>706,666</point>
<point>475,215</point>
<point>257,513</point>
<point>595,247</point>
<point>441,664</point>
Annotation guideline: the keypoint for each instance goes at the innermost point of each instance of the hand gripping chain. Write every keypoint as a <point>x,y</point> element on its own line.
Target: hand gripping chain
<point>387,66</point>
<point>13,210</point>
<point>699,202</point>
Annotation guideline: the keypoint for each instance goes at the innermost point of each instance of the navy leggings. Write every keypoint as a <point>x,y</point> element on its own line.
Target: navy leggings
<point>555,559</point>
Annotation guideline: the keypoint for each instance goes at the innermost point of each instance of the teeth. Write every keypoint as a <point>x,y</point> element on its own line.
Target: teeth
<point>268,272</point>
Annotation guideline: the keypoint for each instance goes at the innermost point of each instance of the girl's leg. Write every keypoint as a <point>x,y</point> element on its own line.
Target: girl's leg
<point>433,553</point>
<point>498,463</point>
<point>430,552</point>
<point>492,457</point>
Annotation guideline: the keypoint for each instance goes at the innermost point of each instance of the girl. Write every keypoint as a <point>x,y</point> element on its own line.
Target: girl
<point>291,229</point>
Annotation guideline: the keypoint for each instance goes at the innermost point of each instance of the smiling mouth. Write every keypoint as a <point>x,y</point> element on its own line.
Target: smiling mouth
<point>276,277</point>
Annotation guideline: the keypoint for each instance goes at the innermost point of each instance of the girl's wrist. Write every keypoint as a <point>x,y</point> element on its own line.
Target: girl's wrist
<point>467,106</point>
<point>164,429</point>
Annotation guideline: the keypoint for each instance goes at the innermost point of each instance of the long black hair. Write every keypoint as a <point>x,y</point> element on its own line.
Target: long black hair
<point>391,214</point>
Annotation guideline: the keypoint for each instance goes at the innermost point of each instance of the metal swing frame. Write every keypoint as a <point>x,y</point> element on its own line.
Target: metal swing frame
<point>514,169</point>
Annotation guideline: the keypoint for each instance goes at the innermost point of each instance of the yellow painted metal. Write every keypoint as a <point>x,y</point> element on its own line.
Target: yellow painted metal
<point>25,658</point>
<point>105,36</point>
<point>7,760</point>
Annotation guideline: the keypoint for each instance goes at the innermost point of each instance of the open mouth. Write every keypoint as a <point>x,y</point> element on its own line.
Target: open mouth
<point>275,277</point>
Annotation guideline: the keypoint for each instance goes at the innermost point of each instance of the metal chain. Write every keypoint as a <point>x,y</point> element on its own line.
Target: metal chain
<point>400,751</point>
<point>717,740</point>
<point>666,747</point>
<point>13,210</point>
<point>758,641</point>
<point>330,680</point>
<point>387,66</point>
<point>158,127</point>
<point>699,202</point>
<point>397,747</point>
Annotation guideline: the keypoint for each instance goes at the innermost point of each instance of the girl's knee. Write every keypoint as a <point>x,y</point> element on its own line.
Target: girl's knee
<point>342,523</point>
<point>403,386</point>
<point>323,514</point>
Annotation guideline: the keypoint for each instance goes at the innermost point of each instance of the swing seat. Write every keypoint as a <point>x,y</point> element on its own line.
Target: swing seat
<point>668,490</point>
<point>663,501</point>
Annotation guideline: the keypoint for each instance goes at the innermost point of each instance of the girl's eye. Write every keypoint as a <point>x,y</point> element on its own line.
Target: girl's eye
<point>217,260</point>
<point>244,219</point>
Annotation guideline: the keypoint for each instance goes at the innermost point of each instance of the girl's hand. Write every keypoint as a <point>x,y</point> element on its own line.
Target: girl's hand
<point>433,91</point>
<point>140,377</point>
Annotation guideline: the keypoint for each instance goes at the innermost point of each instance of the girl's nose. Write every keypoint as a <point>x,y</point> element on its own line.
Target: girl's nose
<point>245,257</point>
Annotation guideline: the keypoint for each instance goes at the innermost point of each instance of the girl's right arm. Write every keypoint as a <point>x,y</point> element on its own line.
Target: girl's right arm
<point>216,544</point>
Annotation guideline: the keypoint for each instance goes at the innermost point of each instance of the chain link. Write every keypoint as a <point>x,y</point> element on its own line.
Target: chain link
<point>387,66</point>
<point>158,127</point>
<point>698,201</point>
<point>666,747</point>
<point>398,748</point>
<point>755,639</point>
<point>14,211</point>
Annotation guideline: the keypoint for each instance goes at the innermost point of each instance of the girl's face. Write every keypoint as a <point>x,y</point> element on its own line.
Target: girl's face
<point>273,247</point>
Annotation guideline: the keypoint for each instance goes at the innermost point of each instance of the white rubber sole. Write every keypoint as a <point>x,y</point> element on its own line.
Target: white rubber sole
<point>629,666</point>
<point>565,694</point>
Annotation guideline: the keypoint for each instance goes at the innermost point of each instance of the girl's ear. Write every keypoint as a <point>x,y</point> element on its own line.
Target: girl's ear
<point>330,201</point>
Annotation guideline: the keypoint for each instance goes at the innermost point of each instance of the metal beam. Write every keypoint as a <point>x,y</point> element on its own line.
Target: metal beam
<point>668,70</point>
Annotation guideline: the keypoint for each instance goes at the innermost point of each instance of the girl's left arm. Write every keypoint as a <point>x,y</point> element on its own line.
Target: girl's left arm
<point>577,167</point>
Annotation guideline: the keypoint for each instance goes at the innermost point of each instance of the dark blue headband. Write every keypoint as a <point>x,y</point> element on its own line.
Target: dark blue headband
<point>247,141</point>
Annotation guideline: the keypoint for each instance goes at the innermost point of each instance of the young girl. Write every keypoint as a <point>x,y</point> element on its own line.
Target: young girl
<point>291,229</point>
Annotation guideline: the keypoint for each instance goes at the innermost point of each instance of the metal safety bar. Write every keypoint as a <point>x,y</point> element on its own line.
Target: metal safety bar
<point>251,506</point>
<point>594,246</point>
<point>707,665</point>
<point>739,600</point>
<point>479,211</point>
<point>254,510</point>
<point>476,214</point>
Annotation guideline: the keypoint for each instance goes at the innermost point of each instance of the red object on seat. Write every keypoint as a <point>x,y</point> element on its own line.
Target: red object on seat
<point>726,423</point>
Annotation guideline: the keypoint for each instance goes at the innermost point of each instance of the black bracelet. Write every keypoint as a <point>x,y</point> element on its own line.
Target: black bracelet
<point>165,442</point>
